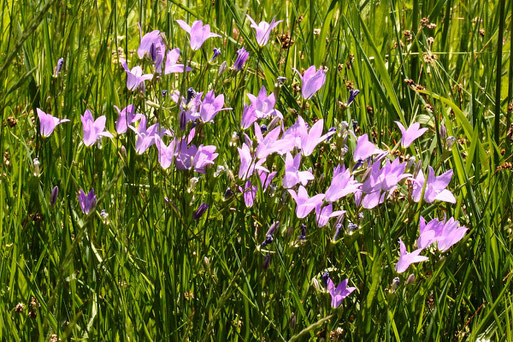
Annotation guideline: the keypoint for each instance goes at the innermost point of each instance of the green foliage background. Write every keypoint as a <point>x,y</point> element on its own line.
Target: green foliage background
<point>150,272</point>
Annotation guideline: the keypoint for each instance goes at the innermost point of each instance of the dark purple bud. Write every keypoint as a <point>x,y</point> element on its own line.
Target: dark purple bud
<point>263,128</point>
<point>325,276</point>
<point>200,211</point>
<point>55,193</point>
<point>352,96</point>
<point>355,125</point>
<point>303,232</point>
<point>242,57</point>
<point>216,53</point>
<point>183,121</point>
<point>228,193</point>
<point>191,93</point>
<point>443,132</point>
<point>267,262</point>
<point>395,283</point>
<point>358,164</point>
<point>164,93</point>
<point>58,67</point>
<point>268,240</point>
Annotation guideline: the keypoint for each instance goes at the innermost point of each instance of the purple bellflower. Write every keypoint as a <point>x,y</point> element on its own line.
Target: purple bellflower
<point>211,105</point>
<point>406,259</point>
<point>249,194</point>
<point>263,104</point>
<point>444,233</point>
<point>48,122</point>
<point>310,139</point>
<point>197,32</point>
<point>435,187</point>
<point>87,203</point>
<point>312,81</point>
<point>125,118</point>
<point>152,45</point>
<point>292,174</point>
<point>205,156</point>
<point>135,78</point>
<point>304,203</point>
<point>266,145</point>
<point>146,136</point>
<point>263,30</point>
<point>339,293</point>
<point>324,214</point>
<point>409,135</point>
<point>171,65</point>
<point>248,116</point>
<point>342,184</point>
<point>242,57</point>
<point>93,129</point>
<point>364,148</point>
<point>200,211</point>
<point>166,153</point>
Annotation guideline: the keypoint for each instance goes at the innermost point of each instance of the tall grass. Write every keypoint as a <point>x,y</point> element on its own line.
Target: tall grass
<point>148,271</point>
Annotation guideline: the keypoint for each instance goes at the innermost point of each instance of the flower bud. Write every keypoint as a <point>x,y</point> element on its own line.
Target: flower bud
<point>200,211</point>
<point>55,193</point>
<point>450,141</point>
<point>267,262</point>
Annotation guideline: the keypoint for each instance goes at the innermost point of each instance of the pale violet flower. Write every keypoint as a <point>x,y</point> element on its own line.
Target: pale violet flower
<point>263,29</point>
<point>197,32</point>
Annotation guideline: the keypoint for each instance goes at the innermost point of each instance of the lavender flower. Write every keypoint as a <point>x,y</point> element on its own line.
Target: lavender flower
<point>339,293</point>
<point>171,65</point>
<point>406,259</point>
<point>249,193</point>
<point>312,81</point>
<point>135,78</point>
<point>242,57</point>
<point>152,45</point>
<point>47,122</point>
<point>166,153</point>
<point>125,118</point>
<point>364,148</point>
<point>304,203</point>
<point>93,129</point>
<point>435,187</point>
<point>198,33</point>
<point>87,203</point>
<point>292,174</point>
<point>211,105</point>
<point>409,135</point>
<point>263,30</point>
<point>444,233</point>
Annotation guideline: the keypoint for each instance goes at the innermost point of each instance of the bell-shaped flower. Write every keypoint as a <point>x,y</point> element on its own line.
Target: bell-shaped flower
<point>48,122</point>
<point>444,233</point>
<point>205,156</point>
<point>152,45</point>
<point>312,81</point>
<point>210,106</point>
<point>310,139</point>
<point>263,104</point>
<point>406,259</point>
<point>93,129</point>
<point>198,32</point>
<point>364,148</point>
<point>242,57</point>
<point>339,293</point>
<point>166,153</point>
<point>146,136</point>
<point>409,135</point>
<point>249,193</point>
<point>263,30</point>
<point>266,145</point>
<point>292,174</point>
<point>184,155</point>
<point>125,118</point>
<point>324,214</point>
<point>248,116</point>
<point>87,202</point>
<point>135,78</point>
<point>304,203</point>
<point>171,62</point>
<point>247,162</point>
<point>342,184</point>
<point>435,187</point>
